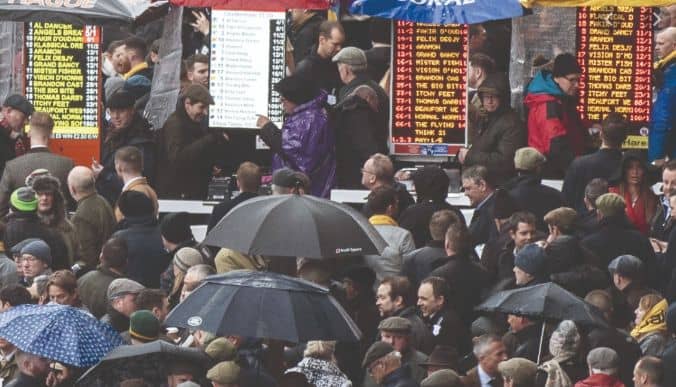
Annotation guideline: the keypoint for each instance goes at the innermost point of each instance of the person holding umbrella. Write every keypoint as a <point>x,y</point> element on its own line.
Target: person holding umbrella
<point>524,334</point>
<point>530,266</point>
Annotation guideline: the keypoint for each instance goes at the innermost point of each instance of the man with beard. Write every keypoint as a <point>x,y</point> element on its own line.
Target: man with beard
<point>187,148</point>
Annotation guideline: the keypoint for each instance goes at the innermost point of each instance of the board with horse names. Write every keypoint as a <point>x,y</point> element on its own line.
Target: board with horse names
<point>429,94</point>
<point>614,47</point>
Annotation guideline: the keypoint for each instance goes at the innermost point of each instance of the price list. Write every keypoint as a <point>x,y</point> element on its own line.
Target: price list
<point>429,88</point>
<point>247,59</point>
<point>614,46</point>
<point>62,76</point>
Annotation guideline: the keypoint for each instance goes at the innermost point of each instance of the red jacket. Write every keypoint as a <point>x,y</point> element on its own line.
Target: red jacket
<point>600,380</point>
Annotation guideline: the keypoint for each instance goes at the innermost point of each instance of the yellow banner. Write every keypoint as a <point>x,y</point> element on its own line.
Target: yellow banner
<point>595,3</point>
<point>635,142</point>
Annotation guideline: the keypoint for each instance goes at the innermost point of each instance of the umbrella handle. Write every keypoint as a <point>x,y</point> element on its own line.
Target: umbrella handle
<point>542,338</point>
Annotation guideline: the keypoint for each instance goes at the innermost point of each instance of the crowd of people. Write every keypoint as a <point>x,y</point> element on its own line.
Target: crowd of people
<point>91,237</point>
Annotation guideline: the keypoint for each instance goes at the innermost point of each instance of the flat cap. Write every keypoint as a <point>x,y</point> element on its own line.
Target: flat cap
<point>395,324</point>
<point>224,372</point>
<point>562,217</point>
<point>20,103</point>
<point>376,351</point>
<point>528,159</point>
<point>351,55</point>
<point>610,204</point>
<point>221,349</point>
<point>627,266</point>
<point>603,358</point>
<point>442,378</point>
<point>521,371</point>
<point>198,93</point>
<point>121,286</point>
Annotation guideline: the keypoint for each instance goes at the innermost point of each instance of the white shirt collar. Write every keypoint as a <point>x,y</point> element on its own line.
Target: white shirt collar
<point>484,378</point>
<point>38,146</point>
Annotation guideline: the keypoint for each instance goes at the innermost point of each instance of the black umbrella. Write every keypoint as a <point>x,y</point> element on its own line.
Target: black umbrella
<point>545,301</point>
<point>149,361</point>
<point>296,226</point>
<point>78,12</point>
<point>264,305</point>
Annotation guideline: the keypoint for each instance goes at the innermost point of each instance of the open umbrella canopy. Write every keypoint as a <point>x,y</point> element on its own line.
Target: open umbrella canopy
<point>296,226</point>
<point>257,5</point>
<point>60,333</point>
<point>149,361</point>
<point>546,301</point>
<point>439,12</point>
<point>264,305</point>
<point>77,12</point>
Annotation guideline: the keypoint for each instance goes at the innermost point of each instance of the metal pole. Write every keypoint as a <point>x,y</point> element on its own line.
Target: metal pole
<point>542,338</point>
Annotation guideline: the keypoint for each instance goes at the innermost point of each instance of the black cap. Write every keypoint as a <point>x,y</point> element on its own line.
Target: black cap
<point>121,99</point>
<point>20,103</point>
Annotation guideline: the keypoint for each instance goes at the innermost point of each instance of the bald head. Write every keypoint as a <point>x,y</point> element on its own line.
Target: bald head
<point>81,182</point>
<point>665,42</point>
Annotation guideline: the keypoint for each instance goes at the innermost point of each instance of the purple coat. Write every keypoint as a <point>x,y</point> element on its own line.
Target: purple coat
<point>308,145</point>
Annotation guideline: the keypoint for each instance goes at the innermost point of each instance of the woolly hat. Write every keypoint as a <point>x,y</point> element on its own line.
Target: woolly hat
<point>224,372</point>
<point>565,339</point>
<point>144,326</point>
<point>521,371</point>
<point>135,204</point>
<point>175,227</point>
<point>528,159</point>
<point>20,103</point>
<point>16,249</point>
<point>532,259</point>
<point>38,249</point>
<point>121,99</point>
<point>24,199</point>
<point>610,204</point>
<point>565,64</point>
<point>297,89</point>
<point>187,257</point>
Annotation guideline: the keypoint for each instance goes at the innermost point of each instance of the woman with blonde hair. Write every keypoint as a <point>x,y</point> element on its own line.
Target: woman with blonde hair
<point>184,259</point>
<point>319,365</point>
<point>651,327</point>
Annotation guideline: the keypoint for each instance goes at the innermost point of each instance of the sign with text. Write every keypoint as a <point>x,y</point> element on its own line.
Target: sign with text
<point>63,78</point>
<point>429,93</point>
<point>614,47</point>
<point>247,60</point>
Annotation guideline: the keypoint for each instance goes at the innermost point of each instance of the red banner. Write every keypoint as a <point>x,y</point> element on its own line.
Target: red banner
<point>255,5</point>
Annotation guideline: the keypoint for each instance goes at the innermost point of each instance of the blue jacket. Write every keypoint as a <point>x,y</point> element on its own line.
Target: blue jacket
<point>662,141</point>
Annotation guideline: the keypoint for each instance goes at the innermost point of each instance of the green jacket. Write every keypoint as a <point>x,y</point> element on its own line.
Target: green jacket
<point>94,221</point>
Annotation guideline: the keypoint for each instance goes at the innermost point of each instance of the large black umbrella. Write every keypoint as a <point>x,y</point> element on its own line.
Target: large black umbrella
<point>78,12</point>
<point>264,305</point>
<point>296,226</point>
<point>150,361</point>
<point>545,301</point>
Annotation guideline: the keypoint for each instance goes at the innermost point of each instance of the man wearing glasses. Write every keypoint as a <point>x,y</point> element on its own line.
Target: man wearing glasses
<point>554,125</point>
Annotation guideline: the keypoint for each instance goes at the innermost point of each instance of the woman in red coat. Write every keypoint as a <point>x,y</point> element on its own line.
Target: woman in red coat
<point>630,182</point>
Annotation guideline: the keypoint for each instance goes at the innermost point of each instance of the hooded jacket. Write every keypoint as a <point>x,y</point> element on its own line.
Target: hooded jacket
<point>554,125</point>
<point>307,145</point>
<point>651,332</point>
<point>662,139</point>
<point>500,133</point>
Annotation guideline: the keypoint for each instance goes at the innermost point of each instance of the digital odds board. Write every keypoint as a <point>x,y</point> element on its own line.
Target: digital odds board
<point>429,89</point>
<point>614,48</point>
